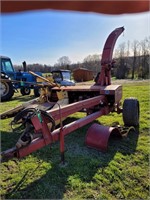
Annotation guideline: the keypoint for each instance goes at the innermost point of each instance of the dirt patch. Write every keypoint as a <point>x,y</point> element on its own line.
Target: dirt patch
<point>119,82</point>
<point>129,81</point>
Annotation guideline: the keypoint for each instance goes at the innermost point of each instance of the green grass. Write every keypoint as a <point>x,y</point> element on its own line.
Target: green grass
<point>121,173</point>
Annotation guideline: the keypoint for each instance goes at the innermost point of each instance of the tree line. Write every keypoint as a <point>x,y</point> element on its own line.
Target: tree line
<point>132,61</point>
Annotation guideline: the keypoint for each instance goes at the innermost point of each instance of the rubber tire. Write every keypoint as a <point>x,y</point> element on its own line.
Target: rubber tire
<point>36,91</point>
<point>25,91</point>
<point>131,112</point>
<point>9,88</point>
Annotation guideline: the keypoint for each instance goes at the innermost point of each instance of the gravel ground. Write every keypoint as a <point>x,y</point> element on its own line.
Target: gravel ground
<point>118,82</point>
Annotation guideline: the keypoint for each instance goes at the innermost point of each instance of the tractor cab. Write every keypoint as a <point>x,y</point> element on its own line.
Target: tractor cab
<point>63,77</point>
<point>7,67</point>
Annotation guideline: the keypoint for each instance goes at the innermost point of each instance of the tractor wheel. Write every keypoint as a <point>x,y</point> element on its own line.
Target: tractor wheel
<point>131,112</point>
<point>36,91</point>
<point>25,91</point>
<point>6,88</point>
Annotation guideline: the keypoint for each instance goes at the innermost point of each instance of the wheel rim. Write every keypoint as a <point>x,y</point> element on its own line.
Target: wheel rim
<point>4,89</point>
<point>27,90</point>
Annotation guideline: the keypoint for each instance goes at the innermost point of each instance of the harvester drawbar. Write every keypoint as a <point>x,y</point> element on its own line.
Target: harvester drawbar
<point>41,116</point>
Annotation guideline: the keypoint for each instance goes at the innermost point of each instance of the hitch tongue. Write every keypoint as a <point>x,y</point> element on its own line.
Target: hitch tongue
<point>8,154</point>
<point>27,136</point>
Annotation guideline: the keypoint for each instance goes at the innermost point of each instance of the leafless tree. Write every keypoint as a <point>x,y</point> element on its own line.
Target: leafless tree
<point>135,45</point>
<point>145,58</point>
<point>92,62</point>
<point>122,65</point>
<point>64,62</point>
<point>92,58</point>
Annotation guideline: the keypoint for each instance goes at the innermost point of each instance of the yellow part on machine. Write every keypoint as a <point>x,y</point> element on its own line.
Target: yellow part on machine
<point>43,79</point>
<point>49,78</point>
<point>44,94</point>
<point>62,94</point>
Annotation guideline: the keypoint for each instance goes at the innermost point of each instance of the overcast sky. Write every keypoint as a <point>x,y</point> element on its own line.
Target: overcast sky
<point>45,36</point>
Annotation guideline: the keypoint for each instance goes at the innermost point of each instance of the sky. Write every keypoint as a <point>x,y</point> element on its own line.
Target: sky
<point>45,36</point>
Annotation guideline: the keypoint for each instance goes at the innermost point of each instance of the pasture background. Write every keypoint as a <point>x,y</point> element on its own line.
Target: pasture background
<point>121,173</point>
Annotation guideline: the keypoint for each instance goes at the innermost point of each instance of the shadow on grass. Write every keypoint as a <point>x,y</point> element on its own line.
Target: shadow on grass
<point>82,164</point>
<point>8,139</point>
<point>22,99</point>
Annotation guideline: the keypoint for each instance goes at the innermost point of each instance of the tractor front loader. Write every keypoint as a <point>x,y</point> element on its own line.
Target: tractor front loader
<point>41,116</point>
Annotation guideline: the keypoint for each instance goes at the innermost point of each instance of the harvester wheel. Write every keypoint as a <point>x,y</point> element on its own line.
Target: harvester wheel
<point>6,88</point>
<point>25,91</point>
<point>131,112</point>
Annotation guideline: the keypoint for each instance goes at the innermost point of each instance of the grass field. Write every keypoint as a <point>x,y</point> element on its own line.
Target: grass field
<point>121,173</point>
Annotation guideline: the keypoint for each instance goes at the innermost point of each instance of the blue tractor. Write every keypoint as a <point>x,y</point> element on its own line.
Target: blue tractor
<point>11,80</point>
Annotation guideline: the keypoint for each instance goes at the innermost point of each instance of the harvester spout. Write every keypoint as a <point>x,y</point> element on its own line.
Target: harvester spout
<point>106,61</point>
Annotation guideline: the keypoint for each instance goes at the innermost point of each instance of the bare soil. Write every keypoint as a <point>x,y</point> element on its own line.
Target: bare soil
<point>119,82</point>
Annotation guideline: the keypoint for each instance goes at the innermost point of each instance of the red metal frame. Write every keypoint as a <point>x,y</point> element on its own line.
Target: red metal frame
<point>58,134</point>
<point>107,99</point>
